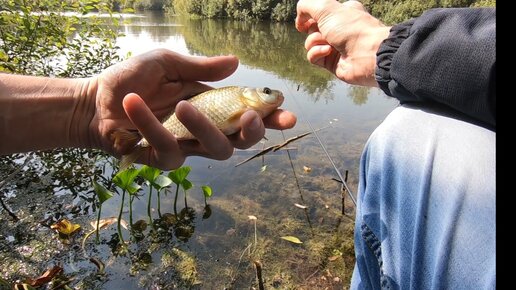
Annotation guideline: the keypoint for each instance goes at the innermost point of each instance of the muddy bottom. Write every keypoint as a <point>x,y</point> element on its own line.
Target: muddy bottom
<point>253,208</point>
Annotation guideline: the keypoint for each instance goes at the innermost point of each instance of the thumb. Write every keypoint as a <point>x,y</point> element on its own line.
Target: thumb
<point>194,68</point>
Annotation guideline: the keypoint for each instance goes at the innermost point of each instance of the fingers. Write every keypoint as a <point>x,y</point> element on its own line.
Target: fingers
<point>165,149</point>
<point>310,12</point>
<point>280,120</point>
<point>252,131</point>
<point>211,142</point>
<point>190,68</point>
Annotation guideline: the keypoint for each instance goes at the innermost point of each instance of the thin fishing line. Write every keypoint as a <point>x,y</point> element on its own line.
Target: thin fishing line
<point>323,147</point>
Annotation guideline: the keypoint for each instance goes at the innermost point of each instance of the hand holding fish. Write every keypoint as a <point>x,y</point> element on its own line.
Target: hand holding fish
<point>342,37</point>
<point>38,113</point>
<point>151,85</point>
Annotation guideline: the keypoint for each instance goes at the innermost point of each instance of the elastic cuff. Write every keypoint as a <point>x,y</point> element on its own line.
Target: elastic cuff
<point>386,52</point>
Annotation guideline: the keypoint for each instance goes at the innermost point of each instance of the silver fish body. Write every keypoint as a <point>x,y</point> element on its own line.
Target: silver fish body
<point>223,107</point>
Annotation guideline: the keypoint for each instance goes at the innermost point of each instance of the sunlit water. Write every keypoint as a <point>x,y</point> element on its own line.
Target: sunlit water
<point>271,55</point>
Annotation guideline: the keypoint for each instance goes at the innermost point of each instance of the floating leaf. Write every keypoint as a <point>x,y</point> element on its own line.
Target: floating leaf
<point>103,222</point>
<point>300,205</point>
<point>45,277</point>
<point>206,190</point>
<point>307,169</point>
<point>252,217</point>
<point>65,227</point>
<point>102,192</point>
<point>292,239</point>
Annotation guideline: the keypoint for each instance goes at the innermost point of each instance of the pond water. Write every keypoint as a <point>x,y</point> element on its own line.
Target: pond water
<point>218,250</point>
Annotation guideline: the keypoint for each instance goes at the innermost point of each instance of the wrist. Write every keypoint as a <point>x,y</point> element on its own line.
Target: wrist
<point>82,127</point>
<point>40,113</point>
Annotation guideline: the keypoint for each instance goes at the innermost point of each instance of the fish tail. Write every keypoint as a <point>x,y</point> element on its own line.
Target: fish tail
<point>123,138</point>
<point>130,158</point>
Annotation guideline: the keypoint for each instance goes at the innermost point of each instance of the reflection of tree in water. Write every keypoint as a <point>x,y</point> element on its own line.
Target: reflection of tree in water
<point>274,47</point>
<point>359,94</point>
<point>60,171</point>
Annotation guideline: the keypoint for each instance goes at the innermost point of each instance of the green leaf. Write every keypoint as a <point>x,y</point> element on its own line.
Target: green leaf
<point>292,239</point>
<point>179,174</point>
<point>206,190</point>
<point>102,192</point>
<point>161,182</point>
<point>133,188</point>
<point>125,178</point>
<point>186,184</point>
<point>149,173</point>
<point>128,10</point>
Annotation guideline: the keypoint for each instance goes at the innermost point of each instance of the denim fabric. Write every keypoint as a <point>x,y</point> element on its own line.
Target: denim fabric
<point>426,204</point>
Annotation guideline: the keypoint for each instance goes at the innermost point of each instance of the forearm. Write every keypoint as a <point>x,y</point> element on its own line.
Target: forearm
<point>38,113</point>
<point>447,57</point>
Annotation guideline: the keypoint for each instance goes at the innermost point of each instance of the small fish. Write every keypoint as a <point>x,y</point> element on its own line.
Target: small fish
<point>222,106</point>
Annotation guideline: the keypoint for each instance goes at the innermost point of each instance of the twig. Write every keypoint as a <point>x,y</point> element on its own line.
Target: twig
<point>276,147</point>
<point>258,266</point>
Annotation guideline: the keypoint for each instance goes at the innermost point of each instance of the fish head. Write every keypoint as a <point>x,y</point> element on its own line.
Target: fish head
<point>262,100</point>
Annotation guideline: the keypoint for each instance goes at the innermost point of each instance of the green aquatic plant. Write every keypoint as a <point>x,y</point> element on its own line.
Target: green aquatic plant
<point>149,174</point>
<point>125,180</point>
<point>161,182</point>
<point>208,192</point>
<point>178,176</point>
<point>103,195</point>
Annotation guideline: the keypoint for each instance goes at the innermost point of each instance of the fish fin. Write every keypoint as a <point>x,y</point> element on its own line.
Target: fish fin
<point>235,117</point>
<point>130,158</point>
<point>122,137</point>
<point>232,124</point>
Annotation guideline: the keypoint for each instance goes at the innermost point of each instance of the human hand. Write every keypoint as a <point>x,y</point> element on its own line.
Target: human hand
<point>342,37</point>
<point>137,93</point>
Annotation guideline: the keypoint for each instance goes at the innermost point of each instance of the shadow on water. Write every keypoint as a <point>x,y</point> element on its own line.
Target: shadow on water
<point>213,245</point>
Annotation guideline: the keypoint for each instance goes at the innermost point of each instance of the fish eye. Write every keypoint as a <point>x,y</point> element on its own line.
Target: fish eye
<point>267,91</point>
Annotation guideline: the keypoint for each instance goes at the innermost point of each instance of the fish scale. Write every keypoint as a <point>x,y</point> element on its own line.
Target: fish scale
<point>217,105</point>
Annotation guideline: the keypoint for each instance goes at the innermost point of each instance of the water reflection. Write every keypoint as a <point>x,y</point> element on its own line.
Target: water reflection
<point>201,238</point>
<point>273,47</point>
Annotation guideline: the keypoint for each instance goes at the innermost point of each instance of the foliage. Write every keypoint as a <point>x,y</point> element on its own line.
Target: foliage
<point>273,47</point>
<point>390,11</point>
<point>396,11</point>
<point>57,38</point>
<point>276,10</point>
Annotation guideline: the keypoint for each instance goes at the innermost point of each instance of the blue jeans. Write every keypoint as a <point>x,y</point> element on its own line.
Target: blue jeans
<point>426,204</point>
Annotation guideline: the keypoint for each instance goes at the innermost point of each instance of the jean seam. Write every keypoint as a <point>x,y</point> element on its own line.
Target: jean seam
<point>375,246</point>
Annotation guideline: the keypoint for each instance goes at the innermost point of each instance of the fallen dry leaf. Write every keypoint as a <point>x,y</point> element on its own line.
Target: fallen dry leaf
<point>333,258</point>
<point>45,277</point>
<point>65,227</point>
<point>103,222</point>
<point>307,169</point>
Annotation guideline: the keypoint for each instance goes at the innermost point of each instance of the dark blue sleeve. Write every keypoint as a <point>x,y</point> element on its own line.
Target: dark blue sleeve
<point>445,56</point>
